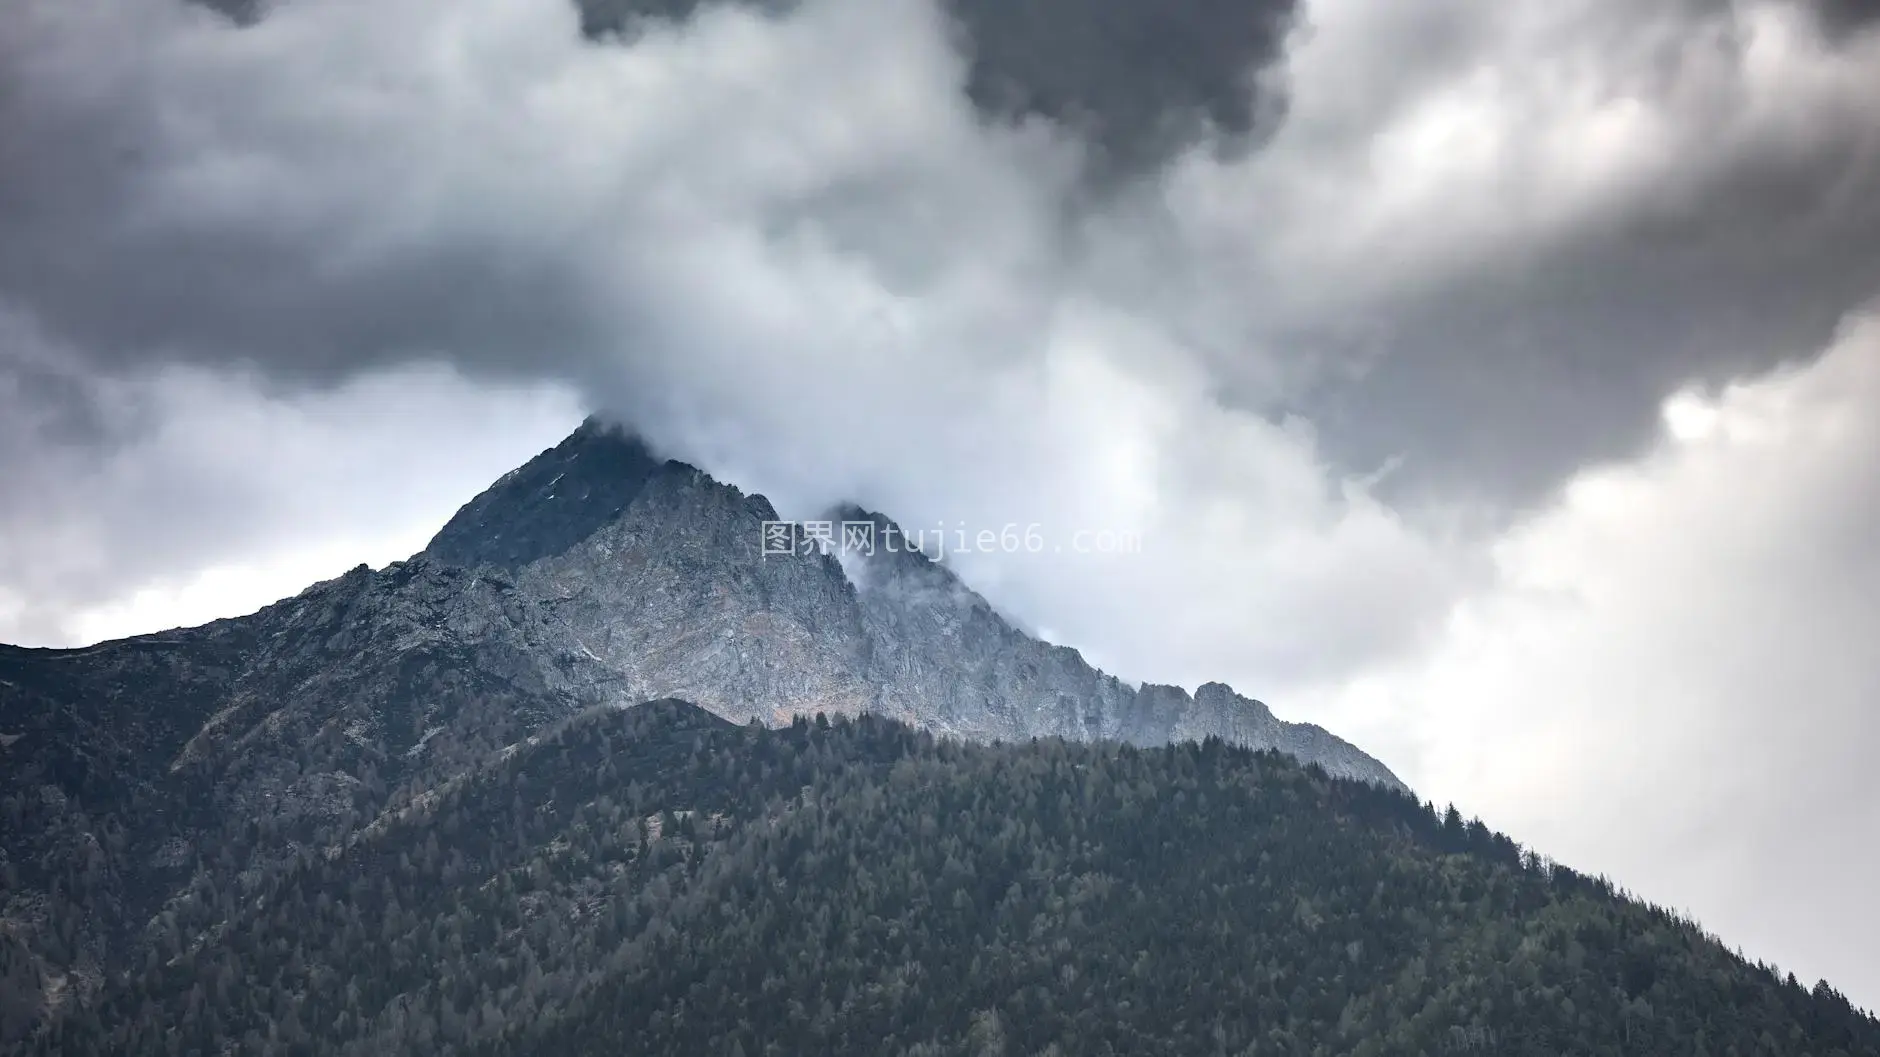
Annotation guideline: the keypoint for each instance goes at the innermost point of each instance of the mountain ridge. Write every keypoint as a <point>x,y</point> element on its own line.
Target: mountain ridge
<point>891,632</point>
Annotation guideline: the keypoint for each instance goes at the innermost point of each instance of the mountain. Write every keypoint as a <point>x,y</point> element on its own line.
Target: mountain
<point>423,810</point>
<point>595,574</point>
<point>656,572</point>
<point>657,880</point>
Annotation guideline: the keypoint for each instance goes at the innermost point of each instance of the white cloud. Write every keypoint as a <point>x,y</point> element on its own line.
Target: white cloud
<point>212,496</point>
<point>226,590</point>
<point>1673,678</point>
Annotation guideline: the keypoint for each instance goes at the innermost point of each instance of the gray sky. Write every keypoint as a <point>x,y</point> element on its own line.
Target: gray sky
<point>1494,384</point>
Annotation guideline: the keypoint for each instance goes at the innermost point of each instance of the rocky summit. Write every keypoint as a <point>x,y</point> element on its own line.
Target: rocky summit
<point>139,776</point>
<point>653,573</point>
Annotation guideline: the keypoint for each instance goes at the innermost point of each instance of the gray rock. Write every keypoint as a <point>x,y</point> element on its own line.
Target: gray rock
<point>671,593</point>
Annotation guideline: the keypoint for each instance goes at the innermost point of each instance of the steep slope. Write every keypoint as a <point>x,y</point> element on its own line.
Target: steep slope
<point>659,881</point>
<point>136,773</point>
<point>945,659</point>
<point>143,781</point>
<point>666,589</point>
<point>670,589</point>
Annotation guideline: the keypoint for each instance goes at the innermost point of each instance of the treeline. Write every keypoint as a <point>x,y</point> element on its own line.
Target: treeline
<point>657,881</point>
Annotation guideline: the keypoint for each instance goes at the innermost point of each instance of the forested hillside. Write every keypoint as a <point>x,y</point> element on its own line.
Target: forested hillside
<point>660,881</point>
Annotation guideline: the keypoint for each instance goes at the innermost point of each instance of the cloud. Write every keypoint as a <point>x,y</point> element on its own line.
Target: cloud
<point>347,185</point>
<point>1485,244</point>
<point>1844,18</point>
<point>1672,677</point>
<point>1139,81</point>
<point>855,289</point>
<point>179,495</point>
<point>1520,228</point>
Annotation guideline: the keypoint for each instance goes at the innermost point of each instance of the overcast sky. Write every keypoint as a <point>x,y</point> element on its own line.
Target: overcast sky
<point>1493,383</point>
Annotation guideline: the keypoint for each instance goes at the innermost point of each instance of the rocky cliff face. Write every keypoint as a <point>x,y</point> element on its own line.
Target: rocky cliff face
<point>669,591</point>
<point>146,784</point>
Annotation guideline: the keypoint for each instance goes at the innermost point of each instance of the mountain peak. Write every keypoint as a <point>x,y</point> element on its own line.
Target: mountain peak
<point>1220,695</point>
<point>656,580</point>
<point>551,503</point>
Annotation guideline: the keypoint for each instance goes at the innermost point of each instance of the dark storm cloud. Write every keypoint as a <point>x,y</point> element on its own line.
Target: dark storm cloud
<point>64,411</point>
<point>1141,78</point>
<point>1509,381</point>
<point>1845,17</point>
<point>148,220</point>
<point>84,254</point>
<point>1496,367</point>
